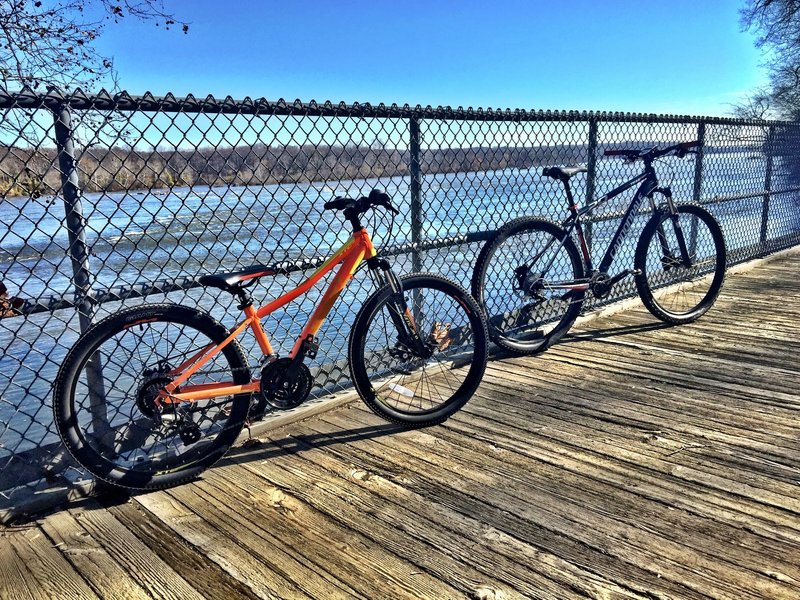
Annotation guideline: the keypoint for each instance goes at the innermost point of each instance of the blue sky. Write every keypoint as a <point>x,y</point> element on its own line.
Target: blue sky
<point>676,56</point>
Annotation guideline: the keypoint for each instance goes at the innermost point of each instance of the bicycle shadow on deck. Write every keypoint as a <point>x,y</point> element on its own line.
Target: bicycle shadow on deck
<point>611,332</point>
<point>262,449</point>
<point>589,336</point>
<point>295,443</point>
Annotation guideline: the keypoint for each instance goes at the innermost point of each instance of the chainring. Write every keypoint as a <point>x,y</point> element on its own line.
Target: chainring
<point>279,390</point>
<point>599,284</point>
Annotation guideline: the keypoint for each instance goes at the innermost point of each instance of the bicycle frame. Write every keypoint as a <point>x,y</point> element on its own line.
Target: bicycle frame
<point>649,183</point>
<point>357,249</point>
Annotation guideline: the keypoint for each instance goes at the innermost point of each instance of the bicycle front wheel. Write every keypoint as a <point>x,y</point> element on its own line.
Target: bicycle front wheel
<point>674,289</point>
<point>528,280</point>
<point>105,403</point>
<point>417,356</point>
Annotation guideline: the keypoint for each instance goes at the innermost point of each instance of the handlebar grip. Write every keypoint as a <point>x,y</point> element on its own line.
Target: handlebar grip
<point>683,149</point>
<point>550,172</point>
<point>378,198</point>
<point>620,152</point>
<point>337,204</point>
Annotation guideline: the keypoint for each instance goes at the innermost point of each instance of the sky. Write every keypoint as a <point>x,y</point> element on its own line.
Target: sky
<point>671,57</point>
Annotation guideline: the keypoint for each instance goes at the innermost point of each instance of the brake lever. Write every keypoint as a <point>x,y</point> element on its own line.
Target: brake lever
<point>388,206</point>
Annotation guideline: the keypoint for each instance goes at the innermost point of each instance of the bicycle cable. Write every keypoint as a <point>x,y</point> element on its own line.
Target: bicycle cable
<point>669,167</point>
<point>374,227</point>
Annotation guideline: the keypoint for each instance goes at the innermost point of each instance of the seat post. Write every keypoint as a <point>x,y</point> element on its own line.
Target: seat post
<point>245,299</point>
<point>572,205</point>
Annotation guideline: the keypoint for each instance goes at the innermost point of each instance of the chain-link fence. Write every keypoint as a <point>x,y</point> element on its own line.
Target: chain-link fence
<point>108,201</point>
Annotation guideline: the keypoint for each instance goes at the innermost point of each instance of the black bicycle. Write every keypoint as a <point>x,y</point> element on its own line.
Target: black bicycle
<point>531,278</point>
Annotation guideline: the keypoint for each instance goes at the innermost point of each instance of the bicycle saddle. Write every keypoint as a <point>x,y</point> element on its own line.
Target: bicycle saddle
<point>229,281</point>
<point>562,173</point>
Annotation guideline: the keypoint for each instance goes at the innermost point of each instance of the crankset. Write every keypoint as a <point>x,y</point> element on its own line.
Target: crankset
<point>283,386</point>
<point>602,283</point>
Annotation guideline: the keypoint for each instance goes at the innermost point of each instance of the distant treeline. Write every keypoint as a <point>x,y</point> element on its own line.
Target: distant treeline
<point>25,172</point>
<point>34,172</point>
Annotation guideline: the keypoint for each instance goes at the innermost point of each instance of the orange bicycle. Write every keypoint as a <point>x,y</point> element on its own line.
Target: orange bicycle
<point>152,395</point>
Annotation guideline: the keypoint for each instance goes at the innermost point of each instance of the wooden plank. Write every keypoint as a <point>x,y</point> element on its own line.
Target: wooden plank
<point>628,502</point>
<point>468,498</point>
<point>655,439</point>
<point>626,468</point>
<point>569,437</point>
<point>187,560</point>
<point>648,407</point>
<point>432,536</point>
<point>361,566</point>
<point>261,569</point>
<point>107,577</point>
<point>640,499</point>
<point>723,412</point>
<point>676,561</point>
<point>337,503</point>
<point>597,520</point>
<point>723,383</point>
<point>34,568</point>
<point>152,573</point>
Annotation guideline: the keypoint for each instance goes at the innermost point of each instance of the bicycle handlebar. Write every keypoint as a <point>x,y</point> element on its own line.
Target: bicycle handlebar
<point>680,151</point>
<point>357,207</point>
<point>337,204</point>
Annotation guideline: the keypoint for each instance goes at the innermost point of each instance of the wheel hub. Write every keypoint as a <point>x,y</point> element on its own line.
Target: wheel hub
<point>152,385</point>
<point>529,282</point>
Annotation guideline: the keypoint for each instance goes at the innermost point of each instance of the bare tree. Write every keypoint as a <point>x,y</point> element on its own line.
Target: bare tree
<point>777,24</point>
<point>51,43</point>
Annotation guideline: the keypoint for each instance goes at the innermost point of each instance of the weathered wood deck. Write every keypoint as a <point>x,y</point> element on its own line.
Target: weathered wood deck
<point>632,460</point>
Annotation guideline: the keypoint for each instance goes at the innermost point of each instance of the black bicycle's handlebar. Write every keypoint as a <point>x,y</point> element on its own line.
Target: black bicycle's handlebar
<point>680,151</point>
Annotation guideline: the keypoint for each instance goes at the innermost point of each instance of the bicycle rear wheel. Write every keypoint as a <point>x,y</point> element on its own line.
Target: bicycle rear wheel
<point>671,290</point>
<point>521,280</point>
<point>104,402</point>
<point>423,379</point>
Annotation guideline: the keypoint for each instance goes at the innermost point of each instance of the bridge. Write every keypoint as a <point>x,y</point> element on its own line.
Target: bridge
<point>631,460</point>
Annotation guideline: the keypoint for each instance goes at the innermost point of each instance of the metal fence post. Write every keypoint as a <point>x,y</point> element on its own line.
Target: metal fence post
<point>697,189</point>
<point>75,222</point>
<point>416,193</point>
<point>770,149</point>
<point>79,256</point>
<point>591,167</point>
<point>698,164</point>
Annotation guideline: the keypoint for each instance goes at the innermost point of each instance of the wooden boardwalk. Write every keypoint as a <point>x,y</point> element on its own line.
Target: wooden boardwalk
<point>632,460</point>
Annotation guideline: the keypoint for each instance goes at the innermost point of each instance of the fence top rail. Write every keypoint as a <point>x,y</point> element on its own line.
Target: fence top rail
<point>123,101</point>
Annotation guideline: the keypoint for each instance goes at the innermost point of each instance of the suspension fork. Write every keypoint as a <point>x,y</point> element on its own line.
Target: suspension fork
<point>402,317</point>
<point>672,213</point>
